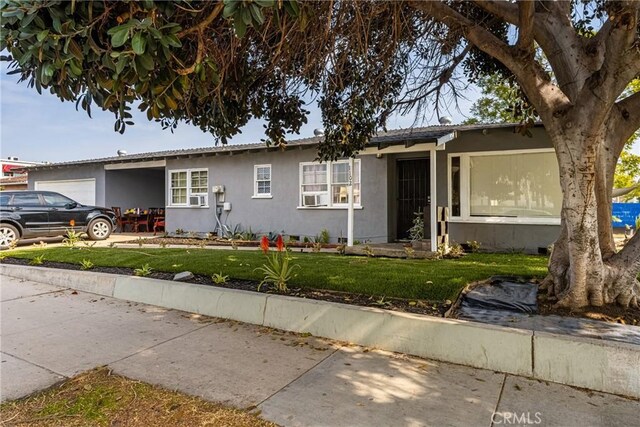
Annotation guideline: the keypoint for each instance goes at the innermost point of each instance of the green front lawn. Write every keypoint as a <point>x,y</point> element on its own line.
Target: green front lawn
<point>403,278</point>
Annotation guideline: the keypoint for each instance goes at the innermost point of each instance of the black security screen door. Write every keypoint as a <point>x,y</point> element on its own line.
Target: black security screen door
<point>413,192</point>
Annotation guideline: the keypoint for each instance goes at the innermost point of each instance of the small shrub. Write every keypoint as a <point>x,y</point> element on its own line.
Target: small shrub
<point>368,251</point>
<point>416,232</point>
<point>278,270</point>
<point>411,253</point>
<point>86,264</point>
<point>163,244</point>
<point>474,246</point>
<point>324,237</point>
<point>37,260</point>
<point>219,279</point>
<point>381,302</point>
<point>356,242</point>
<point>234,245</point>
<point>143,271</point>
<point>341,249</point>
<point>180,232</point>
<point>72,238</point>
<point>316,247</point>
<point>140,242</point>
<point>274,236</point>
<point>249,235</point>
<point>454,250</point>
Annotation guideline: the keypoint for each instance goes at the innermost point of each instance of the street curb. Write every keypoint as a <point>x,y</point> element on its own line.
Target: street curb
<point>606,366</point>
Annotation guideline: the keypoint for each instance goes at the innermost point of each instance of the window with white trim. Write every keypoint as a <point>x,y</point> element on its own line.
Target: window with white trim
<point>262,181</point>
<point>188,187</point>
<point>505,185</point>
<point>327,184</point>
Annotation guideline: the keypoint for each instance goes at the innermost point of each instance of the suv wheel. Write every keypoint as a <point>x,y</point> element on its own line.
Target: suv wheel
<point>99,229</point>
<point>8,235</point>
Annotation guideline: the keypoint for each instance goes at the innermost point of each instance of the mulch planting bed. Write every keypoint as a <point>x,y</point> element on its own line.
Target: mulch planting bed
<point>193,241</point>
<point>436,308</point>
<point>608,313</point>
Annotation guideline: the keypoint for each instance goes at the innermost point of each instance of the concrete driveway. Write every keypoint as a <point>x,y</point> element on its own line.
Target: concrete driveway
<point>49,333</point>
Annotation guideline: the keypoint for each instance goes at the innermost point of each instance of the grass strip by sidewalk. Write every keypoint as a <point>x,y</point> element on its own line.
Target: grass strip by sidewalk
<point>100,398</point>
<point>434,280</point>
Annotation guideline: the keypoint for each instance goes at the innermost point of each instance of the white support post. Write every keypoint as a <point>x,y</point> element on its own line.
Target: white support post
<point>350,208</point>
<point>434,200</point>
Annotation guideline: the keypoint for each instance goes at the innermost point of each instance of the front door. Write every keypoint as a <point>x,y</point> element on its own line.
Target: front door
<point>413,193</point>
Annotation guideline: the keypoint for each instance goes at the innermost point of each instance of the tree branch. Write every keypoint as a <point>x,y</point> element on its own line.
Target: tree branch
<point>621,61</point>
<point>545,96</point>
<point>629,256</point>
<point>527,14</point>
<point>625,119</point>
<point>204,23</point>
<point>199,55</point>
<point>554,33</point>
<point>501,9</point>
<point>414,95</point>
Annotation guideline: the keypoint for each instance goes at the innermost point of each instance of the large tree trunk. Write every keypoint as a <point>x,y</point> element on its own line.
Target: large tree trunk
<point>584,268</point>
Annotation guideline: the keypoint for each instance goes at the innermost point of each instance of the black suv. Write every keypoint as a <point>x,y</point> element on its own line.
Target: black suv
<point>27,214</point>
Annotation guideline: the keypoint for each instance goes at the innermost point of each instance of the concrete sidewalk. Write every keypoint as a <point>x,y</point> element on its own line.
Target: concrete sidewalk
<point>49,333</point>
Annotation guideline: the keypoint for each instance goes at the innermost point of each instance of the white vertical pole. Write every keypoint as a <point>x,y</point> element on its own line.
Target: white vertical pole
<point>434,200</point>
<point>350,209</point>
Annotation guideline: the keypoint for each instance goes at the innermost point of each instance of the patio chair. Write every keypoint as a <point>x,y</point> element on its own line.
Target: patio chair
<point>145,220</point>
<point>158,222</point>
<point>121,222</point>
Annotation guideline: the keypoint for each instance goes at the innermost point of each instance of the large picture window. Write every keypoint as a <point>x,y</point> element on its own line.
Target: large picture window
<point>188,187</point>
<point>523,185</point>
<point>327,184</point>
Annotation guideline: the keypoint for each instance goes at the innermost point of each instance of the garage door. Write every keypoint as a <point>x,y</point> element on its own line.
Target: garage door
<point>81,190</point>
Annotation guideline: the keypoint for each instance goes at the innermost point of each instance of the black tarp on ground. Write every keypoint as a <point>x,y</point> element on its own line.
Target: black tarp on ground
<point>502,293</point>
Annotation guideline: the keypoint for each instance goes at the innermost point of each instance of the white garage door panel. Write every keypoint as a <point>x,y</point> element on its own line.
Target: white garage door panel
<point>81,190</point>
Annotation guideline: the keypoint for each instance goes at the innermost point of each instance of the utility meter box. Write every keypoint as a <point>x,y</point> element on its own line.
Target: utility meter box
<point>226,206</point>
<point>217,189</point>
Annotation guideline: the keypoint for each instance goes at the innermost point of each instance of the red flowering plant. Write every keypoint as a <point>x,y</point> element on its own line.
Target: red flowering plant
<point>278,270</point>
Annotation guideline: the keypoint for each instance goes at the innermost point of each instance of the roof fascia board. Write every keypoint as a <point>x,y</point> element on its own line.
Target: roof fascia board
<point>136,165</point>
<point>392,149</point>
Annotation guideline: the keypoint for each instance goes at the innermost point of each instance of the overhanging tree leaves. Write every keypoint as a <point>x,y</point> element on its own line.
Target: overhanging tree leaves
<point>218,64</point>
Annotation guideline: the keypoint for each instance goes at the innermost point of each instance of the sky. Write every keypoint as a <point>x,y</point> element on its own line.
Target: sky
<point>42,128</point>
